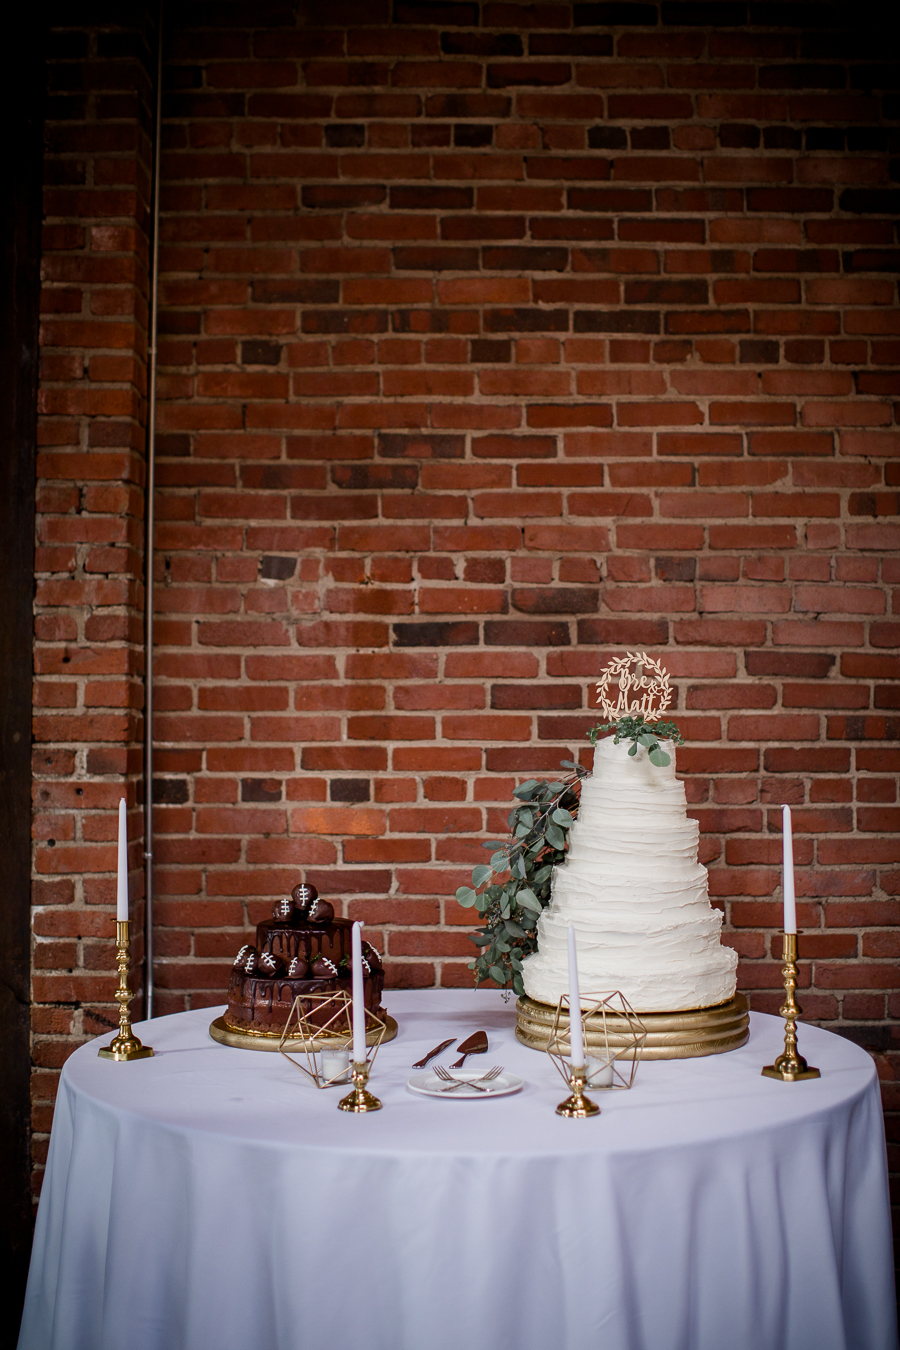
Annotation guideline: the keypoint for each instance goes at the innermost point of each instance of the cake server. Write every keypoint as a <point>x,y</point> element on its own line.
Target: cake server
<point>420,1064</point>
<point>477,1044</point>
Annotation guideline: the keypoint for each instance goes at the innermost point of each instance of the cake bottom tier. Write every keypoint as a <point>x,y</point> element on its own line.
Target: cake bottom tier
<point>670,1035</point>
<point>263,1003</point>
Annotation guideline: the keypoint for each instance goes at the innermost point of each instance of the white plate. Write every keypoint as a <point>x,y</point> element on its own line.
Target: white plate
<point>429,1085</point>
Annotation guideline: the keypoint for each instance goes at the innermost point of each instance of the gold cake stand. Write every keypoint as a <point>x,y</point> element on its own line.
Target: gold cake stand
<point>271,1040</point>
<point>670,1035</point>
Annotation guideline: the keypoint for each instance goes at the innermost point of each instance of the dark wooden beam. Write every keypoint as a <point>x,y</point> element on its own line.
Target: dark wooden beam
<point>20,255</point>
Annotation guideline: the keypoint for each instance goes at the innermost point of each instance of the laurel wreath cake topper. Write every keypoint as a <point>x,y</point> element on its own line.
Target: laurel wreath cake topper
<point>637,693</point>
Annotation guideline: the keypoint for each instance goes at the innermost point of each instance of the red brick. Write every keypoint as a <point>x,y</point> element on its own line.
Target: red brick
<point>660,537</point>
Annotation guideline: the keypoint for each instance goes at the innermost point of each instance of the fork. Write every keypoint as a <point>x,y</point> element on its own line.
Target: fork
<point>488,1077</point>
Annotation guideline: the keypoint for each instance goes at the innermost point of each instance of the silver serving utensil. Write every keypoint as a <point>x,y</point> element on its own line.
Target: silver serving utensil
<point>477,1044</point>
<point>475,1083</point>
<point>420,1064</point>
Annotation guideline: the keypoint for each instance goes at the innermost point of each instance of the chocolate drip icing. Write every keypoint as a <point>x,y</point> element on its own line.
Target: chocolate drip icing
<point>261,1002</point>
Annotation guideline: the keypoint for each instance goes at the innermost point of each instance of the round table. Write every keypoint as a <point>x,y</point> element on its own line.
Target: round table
<point>211,1199</point>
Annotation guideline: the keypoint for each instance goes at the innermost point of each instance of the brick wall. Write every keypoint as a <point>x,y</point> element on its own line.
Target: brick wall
<point>88,658</point>
<point>496,339</point>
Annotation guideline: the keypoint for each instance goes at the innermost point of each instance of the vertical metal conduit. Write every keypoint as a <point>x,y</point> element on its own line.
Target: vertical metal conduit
<point>149,524</point>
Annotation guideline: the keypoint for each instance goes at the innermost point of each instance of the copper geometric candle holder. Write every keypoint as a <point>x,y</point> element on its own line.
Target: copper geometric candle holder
<point>618,1050</point>
<point>333,1034</point>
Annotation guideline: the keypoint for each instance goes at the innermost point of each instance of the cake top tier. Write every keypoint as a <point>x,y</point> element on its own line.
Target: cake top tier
<point>630,761</point>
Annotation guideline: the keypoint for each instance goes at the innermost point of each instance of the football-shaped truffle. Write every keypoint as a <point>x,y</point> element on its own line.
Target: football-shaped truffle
<point>283,909</point>
<point>303,895</point>
<point>270,964</point>
<point>240,961</point>
<point>251,962</point>
<point>372,955</point>
<point>320,911</point>
<point>298,968</point>
<point>322,968</point>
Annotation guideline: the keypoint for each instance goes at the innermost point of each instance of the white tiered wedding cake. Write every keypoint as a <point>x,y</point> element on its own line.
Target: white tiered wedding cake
<point>634,892</point>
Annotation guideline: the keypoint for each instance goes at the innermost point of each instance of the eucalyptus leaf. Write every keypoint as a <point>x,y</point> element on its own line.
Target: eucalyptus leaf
<point>634,749</point>
<point>527,898</point>
<point>465,896</point>
<point>518,985</point>
<point>509,909</point>
<point>555,836</point>
<point>659,758</point>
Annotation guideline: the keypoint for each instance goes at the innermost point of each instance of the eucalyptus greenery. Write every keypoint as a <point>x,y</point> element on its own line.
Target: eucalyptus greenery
<point>638,731</point>
<point>512,889</point>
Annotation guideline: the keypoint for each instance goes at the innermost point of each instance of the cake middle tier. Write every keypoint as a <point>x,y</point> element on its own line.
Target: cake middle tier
<point>287,940</point>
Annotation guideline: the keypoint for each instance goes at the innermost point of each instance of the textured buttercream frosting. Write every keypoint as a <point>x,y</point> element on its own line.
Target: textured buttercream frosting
<point>634,892</point>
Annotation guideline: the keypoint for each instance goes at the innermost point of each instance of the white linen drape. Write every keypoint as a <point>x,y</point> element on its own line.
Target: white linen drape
<point>209,1199</point>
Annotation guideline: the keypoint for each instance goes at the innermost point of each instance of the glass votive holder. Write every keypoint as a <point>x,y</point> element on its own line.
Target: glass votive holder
<point>334,1067</point>
<point>599,1073</point>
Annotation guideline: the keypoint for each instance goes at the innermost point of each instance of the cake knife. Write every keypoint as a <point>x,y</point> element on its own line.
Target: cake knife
<point>431,1053</point>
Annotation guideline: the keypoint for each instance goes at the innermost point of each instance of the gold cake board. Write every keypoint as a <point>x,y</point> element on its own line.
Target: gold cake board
<point>270,1040</point>
<point>670,1035</point>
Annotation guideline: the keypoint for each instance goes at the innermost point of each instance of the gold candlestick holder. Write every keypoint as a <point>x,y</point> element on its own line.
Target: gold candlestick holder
<point>359,1099</point>
<point>125,1045</point>
<point>578,1106</point>
<point>790,1067</point>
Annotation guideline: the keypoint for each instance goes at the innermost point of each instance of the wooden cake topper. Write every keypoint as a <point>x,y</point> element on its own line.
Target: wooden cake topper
<point>639,693</point>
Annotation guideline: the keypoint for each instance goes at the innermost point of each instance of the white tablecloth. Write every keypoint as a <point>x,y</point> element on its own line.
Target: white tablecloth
<point>210,1199</point>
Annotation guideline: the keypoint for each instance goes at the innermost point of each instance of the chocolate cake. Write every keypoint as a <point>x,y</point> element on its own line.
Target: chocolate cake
<point>302,950</point>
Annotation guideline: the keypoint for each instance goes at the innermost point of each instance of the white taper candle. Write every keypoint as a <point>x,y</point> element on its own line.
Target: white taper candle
<point>122,869</point>
<point>576,1040</point>
<point>787,845</point>
<point>359,1006</point>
